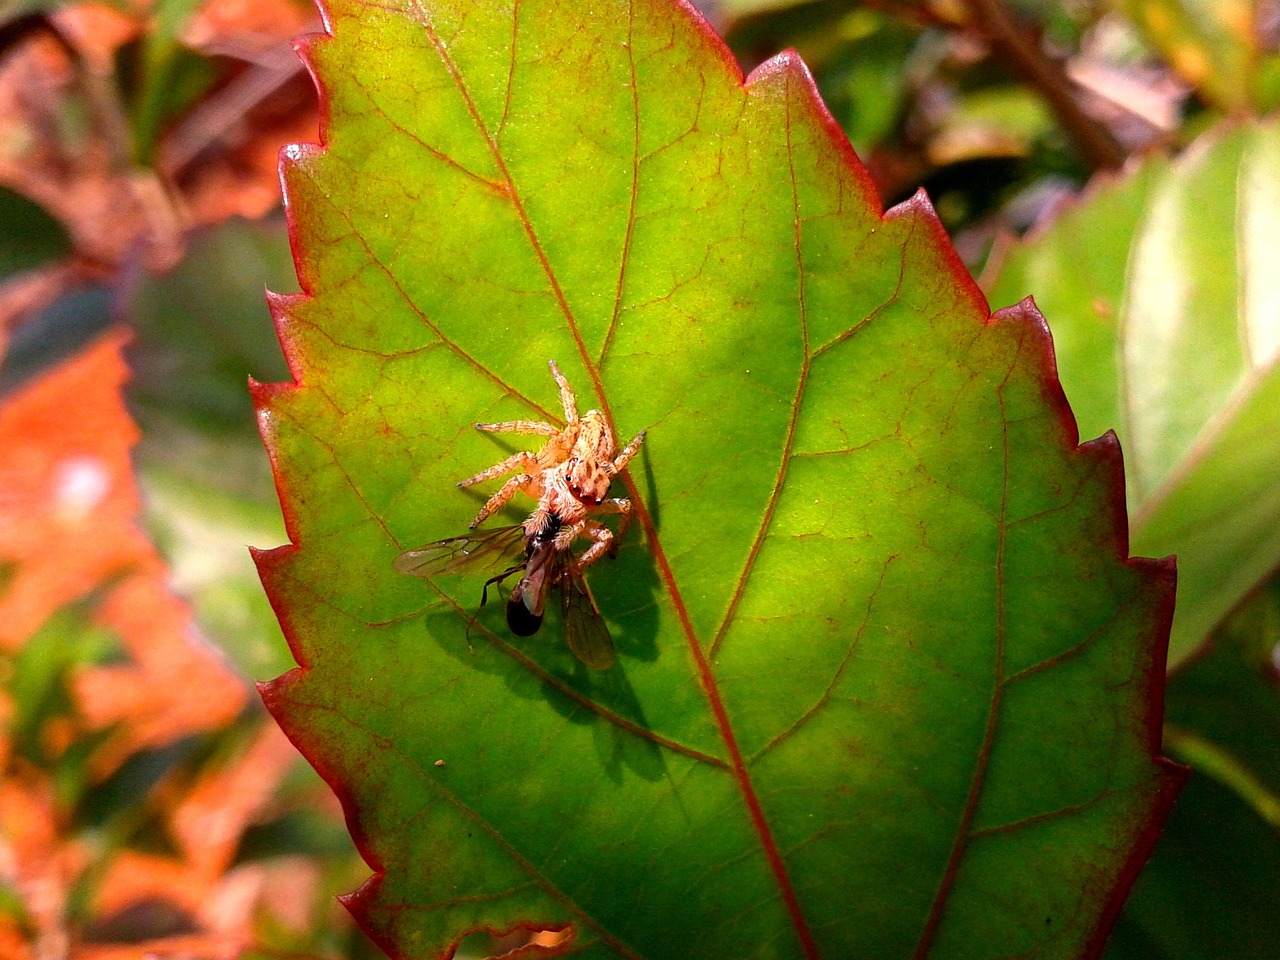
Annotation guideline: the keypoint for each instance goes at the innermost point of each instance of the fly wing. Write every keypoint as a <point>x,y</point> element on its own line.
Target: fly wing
<point>584,628</point>
<point>526,605</point>
<point>541,571</point>
<point>481,548</point>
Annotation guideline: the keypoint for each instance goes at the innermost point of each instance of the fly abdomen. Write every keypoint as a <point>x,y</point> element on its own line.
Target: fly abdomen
<point>520,620</point>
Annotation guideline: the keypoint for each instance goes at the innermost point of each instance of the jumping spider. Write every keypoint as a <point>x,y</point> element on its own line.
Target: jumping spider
<point>569,477</point>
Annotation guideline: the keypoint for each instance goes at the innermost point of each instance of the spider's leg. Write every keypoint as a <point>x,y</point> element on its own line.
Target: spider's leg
<point>602,542</point>
<point>501,498</point>
<point>630,450</point>
<point>520,426</point>
<point>523,461</point>
<point>620,506</point>
<point>567,534</point>
<point>567,399</point>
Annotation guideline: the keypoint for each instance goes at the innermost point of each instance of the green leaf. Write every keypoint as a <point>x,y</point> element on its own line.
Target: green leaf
<point>858,56</point>
<point>170,78</point>
<point>194,351</point>
<point>1165,304</point>
<point>886,686</point>
<point>38,676</point>
<point>29,237</point>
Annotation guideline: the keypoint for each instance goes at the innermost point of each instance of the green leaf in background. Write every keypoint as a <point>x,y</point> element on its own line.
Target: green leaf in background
<point>1208,890</point>
<point>745,8</point>
<point>859,55</point>
<point>169,77</point>
<point>200,334</point>
<point>1164,296</point>
<point>1224,710</point>
<point>887,684</point>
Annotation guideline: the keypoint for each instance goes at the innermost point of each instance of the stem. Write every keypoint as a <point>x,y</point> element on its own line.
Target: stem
<point>1045,74</point>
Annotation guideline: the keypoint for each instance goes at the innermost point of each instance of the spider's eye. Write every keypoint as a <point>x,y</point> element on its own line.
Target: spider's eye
<point>599,500</point>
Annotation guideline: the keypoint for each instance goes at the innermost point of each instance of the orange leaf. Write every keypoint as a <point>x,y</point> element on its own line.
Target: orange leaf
<point>208,822</point>
<point>175,685</point>
<point>67,500</point>
<point>35,862</point>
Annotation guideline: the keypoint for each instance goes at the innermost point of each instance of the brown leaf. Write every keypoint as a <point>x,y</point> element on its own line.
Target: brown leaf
<point>80,172</point>
<point>98,31</point>
<point>244,27</point>
<point>67,527</point>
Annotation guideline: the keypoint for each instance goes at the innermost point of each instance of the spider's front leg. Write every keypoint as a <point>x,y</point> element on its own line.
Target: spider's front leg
<point>567,399</point>
<point>524,462</point>
<point>628,452</point>
<point>519,426</point>
<point>521,481</point>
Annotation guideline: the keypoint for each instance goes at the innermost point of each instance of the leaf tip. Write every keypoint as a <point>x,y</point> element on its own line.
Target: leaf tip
<point>919,210</point>
<point>788,71</point>
<point>361,903</point>
<point>780,64</point>
<point>273,692</point>
<point>711,39</point>
<point>281,307</point>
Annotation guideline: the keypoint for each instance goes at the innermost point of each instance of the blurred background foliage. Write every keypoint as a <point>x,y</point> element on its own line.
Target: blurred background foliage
<point>1114,158</point>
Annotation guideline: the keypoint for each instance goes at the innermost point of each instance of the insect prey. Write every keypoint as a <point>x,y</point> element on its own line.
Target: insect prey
<point>568,478</point>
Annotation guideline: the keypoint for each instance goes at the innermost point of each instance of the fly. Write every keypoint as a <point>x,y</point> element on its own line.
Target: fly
<point>549,568</point>
<point>543,566</point>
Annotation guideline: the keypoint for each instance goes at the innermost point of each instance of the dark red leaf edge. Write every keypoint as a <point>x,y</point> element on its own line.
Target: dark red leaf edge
<point>1161,573</point>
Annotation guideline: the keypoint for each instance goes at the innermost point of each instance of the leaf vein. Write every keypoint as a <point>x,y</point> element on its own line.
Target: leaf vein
<point>835,679</point>
<point>706,677</point>
<point>976,783</point>
<point>563,688</point>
